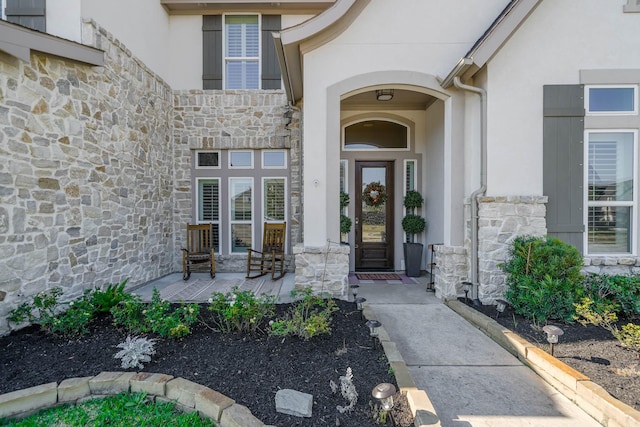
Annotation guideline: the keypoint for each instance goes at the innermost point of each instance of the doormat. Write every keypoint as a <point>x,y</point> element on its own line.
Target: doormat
<point>377,276</point>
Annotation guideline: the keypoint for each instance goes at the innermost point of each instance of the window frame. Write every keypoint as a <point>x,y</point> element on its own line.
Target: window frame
<point>633,204</point>
<point>587,95</point>
<point>370,119</point>
<point>284,155</point>
<point>198,152</point>
<point>232,221</point>
<point>198,201</point>
<point>230,155</point>
<point>226,58</point>
<point>264,198</point>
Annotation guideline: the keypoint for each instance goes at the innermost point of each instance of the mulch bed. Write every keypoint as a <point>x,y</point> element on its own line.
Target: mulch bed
<point>589,349</point>
<point>249,369</point>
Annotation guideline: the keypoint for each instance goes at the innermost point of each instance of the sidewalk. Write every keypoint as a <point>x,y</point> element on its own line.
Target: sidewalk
<point>470,380</point>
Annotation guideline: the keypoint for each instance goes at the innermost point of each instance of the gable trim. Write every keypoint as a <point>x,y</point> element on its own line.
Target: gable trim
<point>19,41</point>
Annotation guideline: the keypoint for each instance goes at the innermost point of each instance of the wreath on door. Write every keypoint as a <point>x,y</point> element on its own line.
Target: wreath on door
<point>374,194</point>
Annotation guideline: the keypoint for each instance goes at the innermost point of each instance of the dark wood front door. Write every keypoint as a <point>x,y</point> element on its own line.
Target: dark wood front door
<point>374,216</point>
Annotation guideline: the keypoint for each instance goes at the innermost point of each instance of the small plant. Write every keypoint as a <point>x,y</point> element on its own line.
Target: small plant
<point>345,221</point>
<point>240,311</point>
<point>309,316</point>
<point>604,316</point>
<point>157,316</point>
<point>104,300</point>
<point>543,278</point>
<point>46,310</point>
<point>348,391</point>
<point>135,352</point>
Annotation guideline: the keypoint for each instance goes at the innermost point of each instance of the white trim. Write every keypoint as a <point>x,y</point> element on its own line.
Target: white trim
<point>264,199</point>
<point>369,119</point>
<point>239,59</point>
<point>284,155</point>
<point>197,206</point>
<point>633,204</point>
<point>232,221</point>
<point>197,165</point>
<point>611,113</point>
<point>240,167</point>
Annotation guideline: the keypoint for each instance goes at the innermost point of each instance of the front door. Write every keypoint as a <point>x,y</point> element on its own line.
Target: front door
<point>374,216</point>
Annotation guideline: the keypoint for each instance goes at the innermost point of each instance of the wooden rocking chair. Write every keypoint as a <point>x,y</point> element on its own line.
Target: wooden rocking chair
<point>199,250</point>
<point>271,258</point>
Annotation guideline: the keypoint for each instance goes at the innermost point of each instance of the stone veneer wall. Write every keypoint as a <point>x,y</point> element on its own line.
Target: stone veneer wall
<point>500,220</point>
<point>452,268</point>
<point>86,194</point>
<point>324,269</point>
<point>233,119</point>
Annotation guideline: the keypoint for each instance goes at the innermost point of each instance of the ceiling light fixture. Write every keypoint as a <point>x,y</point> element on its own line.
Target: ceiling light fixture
<point>384,94</point>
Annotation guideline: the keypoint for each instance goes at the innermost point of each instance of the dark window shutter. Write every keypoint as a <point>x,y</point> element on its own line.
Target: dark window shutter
<point>563,158</point>
<point>271,76</point>
<point>28,13</point>
<point>212,55</point>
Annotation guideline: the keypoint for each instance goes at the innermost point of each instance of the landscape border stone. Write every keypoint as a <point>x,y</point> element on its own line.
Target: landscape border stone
<point>592,398</point>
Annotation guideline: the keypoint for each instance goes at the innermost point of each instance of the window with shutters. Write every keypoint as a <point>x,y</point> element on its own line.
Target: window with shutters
<point>274,192</point>
<point>611,191</point>
<point>208,206</point>
<point>242,52</point>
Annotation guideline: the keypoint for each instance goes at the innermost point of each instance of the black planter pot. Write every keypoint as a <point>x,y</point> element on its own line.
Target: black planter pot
<point>412,259</point>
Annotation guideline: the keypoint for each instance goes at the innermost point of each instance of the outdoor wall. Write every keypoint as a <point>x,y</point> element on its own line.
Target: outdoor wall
<point>86,196</point>
<point>63,19</point>
<point>223,120</point>
<point>558,40</point>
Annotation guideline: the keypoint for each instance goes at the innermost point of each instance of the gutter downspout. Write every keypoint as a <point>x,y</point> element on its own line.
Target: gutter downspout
<point>483,184</point>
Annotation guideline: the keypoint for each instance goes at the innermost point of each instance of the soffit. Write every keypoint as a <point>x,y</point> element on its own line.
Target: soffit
<point>292,7</point>
<point>402,100</point>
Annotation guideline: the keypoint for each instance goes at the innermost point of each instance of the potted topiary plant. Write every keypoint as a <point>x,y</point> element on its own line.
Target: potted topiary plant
<point>413,224</point>
<point>345,221</point>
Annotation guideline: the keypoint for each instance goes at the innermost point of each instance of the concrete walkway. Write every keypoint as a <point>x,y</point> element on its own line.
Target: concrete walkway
<point>470,380</point>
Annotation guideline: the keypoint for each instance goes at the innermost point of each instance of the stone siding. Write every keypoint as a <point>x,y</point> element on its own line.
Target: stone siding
<point>86,190</point>
<point>324,269</point>
<point>452,268</point>
<point>612,266</point>
<point>233,119</point>
<point>500,220</point>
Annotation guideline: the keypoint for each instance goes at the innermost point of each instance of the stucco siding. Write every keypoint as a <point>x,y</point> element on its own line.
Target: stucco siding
<point>554,44</point>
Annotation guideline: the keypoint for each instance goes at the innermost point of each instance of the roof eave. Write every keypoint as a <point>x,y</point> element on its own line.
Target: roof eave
<point>19,41</point>
<point>487,46</point>
<point>312,33</point>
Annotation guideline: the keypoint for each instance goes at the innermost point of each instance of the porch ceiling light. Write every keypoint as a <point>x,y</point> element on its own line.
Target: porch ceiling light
<point>383,393</point>
<point>384,94</point>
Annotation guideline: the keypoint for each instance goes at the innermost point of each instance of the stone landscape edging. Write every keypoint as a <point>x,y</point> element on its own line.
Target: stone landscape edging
<point>185,394</point>
<point>592,398</point>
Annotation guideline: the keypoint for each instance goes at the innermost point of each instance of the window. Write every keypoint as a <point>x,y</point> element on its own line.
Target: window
<point>409,175</point>
<point>611,192</point>
<point>241,159</point>
<point>242,52</point>
<point>240,213</point>
<point>208,160</point>
<point>611,100</point>
<point>209,206</point>
<point>274,159</point>
<point>274,199</point>
<point>376,135</point>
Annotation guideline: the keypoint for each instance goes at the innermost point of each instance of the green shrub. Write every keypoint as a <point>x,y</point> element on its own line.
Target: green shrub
<point>66,319</point>
<point>157,316</point>
<point>629,336</point>
<point>623,292</point>
<point>240,311</point>
<point>309,316</point>
<point>604,316</point>
<point>104,300</point>
<point>543,278</point>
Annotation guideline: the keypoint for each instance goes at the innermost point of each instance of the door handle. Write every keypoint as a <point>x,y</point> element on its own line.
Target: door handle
<point>356,220</point>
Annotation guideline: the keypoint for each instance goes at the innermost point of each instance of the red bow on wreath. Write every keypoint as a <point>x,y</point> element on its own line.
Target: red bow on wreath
<point>374,194</point>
